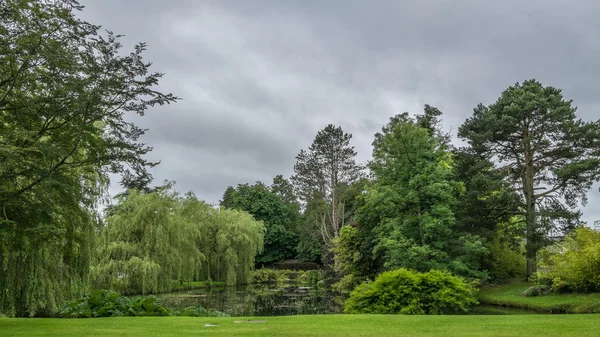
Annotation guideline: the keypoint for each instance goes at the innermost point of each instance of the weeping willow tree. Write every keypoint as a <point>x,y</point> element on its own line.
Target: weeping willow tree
<point>65,91</point>
<point>228,239</point>
<point>152,239</point>
<point>45,247</point>
<point>145,244</point>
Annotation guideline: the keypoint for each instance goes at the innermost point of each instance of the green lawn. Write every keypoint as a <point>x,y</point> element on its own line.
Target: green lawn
<point>512,295</point>
<point>317,325</point>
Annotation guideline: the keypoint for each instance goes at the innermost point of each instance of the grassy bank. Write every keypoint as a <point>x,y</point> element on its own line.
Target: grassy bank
<point>511,295</point>
<point>318,325</point>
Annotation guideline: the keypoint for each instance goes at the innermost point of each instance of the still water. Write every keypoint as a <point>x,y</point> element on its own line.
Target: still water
<point>282,300</point>
<point>250,300</point>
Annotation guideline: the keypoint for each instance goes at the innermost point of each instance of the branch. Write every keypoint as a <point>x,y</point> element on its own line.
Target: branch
<point>59,164</point>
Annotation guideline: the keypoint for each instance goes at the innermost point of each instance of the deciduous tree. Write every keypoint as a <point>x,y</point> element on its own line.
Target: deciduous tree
<point>65,90</point>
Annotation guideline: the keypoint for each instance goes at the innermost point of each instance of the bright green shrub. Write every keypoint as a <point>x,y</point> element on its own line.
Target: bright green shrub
<point>407,292</point>
<point>265,276</point>
<point>346,284</point>
<point>574,266</point>
<point>504,261</point>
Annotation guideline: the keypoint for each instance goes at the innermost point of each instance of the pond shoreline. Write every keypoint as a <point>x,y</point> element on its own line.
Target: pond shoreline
<point>290,299</point>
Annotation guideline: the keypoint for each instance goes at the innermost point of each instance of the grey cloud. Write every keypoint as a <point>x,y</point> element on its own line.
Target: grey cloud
<point>259,78</point>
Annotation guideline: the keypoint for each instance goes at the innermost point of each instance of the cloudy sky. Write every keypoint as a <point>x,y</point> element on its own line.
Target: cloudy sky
<point>259,78</point>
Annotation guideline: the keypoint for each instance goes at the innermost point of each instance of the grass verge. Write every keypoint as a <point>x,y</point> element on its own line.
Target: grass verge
<point>511,295</point>
<point>311,325</point>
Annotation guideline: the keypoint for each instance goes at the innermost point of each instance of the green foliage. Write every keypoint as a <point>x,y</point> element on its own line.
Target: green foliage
<point>275,276</point>
<point>153,238</point>
<point>537,290</point>
<point>322,173</point>
<point>309,250</point>
<point>574,265</point>
<point>506,258</point>
<point>346,249</point>
<point>280,218</point>
<point>406,292</point>
<point>545,151</point>
<point>112,304</point>
<point>229,240</point>
<point>145,244</point>
<point>67,95</point>
<point>505,262</point>
<point>265,276</point>
<point>410,204</point>
<point>346,284</point>
<point>312,244</point>
<point>488,199</point>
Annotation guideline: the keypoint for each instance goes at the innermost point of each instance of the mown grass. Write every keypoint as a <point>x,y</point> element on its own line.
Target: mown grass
<point>311,325</point>
<point>195,285</point>
<point>511,295</point>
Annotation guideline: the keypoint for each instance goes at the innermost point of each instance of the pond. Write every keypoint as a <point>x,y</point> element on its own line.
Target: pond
<point>250,300</point>
<point>281,300</point>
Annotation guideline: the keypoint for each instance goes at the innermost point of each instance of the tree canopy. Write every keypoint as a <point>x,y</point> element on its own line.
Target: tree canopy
<point>551,157</point>
<point>154,238</point>
<point>412,199</point>
<point>280,218</point>
<point>65,90</point>
<point>319,172</point>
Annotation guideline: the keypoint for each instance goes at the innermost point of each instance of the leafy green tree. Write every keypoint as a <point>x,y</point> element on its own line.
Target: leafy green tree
<point>64,93</point>
<point>319,172</point>
<point>551,157</point>
<point>145,245</point>
<point>154,238</point>
<point>285,190</point>
<point>411,200</point>
<point>229,240</point>
<point>278,217</point>
<point>311,244</point>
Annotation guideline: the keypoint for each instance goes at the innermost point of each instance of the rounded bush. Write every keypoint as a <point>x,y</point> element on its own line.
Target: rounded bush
<point>404,291</point>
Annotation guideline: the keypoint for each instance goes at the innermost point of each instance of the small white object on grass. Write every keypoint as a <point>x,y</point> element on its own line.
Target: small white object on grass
<point>208,325</point>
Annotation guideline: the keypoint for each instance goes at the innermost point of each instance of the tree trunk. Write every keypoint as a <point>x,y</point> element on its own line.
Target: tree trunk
<point>530,216</point>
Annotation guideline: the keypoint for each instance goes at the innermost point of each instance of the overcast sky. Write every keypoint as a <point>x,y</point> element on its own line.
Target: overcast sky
<point>258,79</point>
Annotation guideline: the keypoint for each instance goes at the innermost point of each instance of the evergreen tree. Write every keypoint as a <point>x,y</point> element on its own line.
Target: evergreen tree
<point>328,164</point>
<point>550,156</point>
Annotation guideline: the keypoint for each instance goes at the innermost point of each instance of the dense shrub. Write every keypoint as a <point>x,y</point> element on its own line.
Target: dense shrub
<point>106,303</point>
<point>537,290</point>
<point>346,284</point>
<point>573,266</point>
<point>265,276</point>
<point>505,262</point>
<point>407,292</point>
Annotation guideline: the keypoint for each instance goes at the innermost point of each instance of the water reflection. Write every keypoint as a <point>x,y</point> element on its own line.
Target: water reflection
<point>252,300</point>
